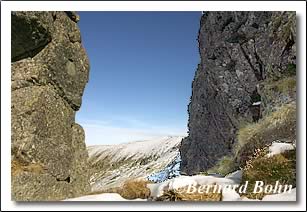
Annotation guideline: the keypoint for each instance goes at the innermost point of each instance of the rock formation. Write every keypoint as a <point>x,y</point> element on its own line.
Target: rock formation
<point>50,69</point>
<point>239,51</point>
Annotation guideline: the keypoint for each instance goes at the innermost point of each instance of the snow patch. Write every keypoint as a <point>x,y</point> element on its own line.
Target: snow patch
<point>156,160</point>
<point>278,148</point>
<point>230,195</point>
<point>158,189</point>
<point>170,171</point>
<point>103,197</point>
<point>256,103</point>
<point>181,182</point>
<point>210,180</point>
<point>281,197</point>
<point>136,149</point>
<point>249,200</point>
<point>235,176</point>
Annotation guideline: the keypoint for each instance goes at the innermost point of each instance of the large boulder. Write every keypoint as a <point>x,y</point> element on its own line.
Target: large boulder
<point>50,69</point>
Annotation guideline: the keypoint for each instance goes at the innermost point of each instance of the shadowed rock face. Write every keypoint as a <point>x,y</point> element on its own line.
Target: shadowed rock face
<point>50,69</point>
<point>238,50</point>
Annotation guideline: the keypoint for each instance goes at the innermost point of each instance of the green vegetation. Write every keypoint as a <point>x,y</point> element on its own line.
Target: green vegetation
<point>274,75</point>
<point>286,85</point>
<point>225,166</point>
<point>280,124</point>
<point>281,167</point>
<point>276,92</point>
<point>273,89</point>
<point>204,173</point>
<point>291,69</point>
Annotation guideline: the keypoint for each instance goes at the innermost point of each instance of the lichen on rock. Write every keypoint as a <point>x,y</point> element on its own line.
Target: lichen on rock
<point>50,69</point>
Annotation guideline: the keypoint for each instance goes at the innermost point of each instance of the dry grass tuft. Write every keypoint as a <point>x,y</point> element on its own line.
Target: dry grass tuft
<point>133,189</point>
<point>201,197</point>
<point>279,125</point>
<point>285,85</point>
<point>280,167</point>
<point>225,166</point>
<point>183,195</point>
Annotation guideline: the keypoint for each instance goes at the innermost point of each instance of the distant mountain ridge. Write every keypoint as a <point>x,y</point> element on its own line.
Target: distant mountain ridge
<point>111,165</point>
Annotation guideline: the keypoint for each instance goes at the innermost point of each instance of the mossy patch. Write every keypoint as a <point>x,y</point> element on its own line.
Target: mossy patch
<point>291,69</point>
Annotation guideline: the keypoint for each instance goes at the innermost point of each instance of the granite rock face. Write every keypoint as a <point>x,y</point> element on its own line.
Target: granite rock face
<point>239,51</point>
<point>50,69</point>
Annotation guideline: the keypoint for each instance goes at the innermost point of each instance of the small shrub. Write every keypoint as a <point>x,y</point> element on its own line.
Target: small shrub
<point>291,69</point>
<point>133,189</point>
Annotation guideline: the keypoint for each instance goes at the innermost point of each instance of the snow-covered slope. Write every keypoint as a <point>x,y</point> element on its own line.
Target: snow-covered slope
<point>156,159</point>
<point>103,197</point>
<point>159,162</point>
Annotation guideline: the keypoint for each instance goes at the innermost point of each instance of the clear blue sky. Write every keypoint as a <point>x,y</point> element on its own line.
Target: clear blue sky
<point>142,67</point>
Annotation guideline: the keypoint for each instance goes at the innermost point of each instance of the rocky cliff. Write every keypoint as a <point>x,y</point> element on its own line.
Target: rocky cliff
<point>50,69</point>
<point>245,59</point>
